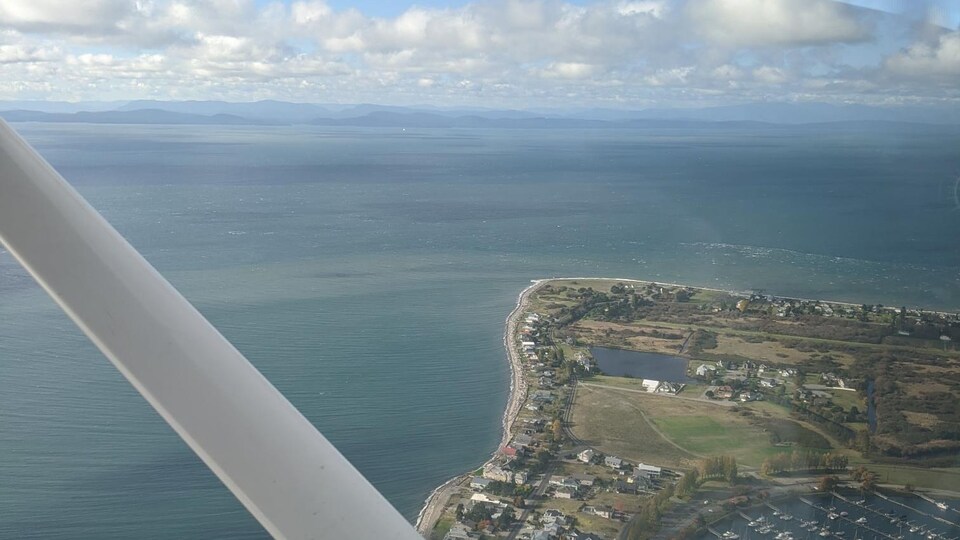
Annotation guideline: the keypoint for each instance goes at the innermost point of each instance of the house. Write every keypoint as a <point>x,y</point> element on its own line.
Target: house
<point>640,480</point>
<point>459,531</point>
<point>522,440</point>
<point>509,451</point>
<point>520,477</point>
<point>669,388</point>
<point>495,472</point>
<point>564,481</point>
<point>723,392</point>
<point>565,493</point>
<point>542,396</point>
<point>585,480</point>
<point>553,515</point>
<point>480,483</point>
<point>705,370</point>
<point>587,455</point>
<point>603,511</point>
<point>650,385</point>
<point>630,488</point>
<point>575,535</point>
<point>613,462</point>
<point>649,471</point>
<point>769,383</point>
<point>480,498</point>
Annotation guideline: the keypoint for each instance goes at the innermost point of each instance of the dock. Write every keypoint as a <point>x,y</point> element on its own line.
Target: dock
<point>912,509</point>
<point>879,534</point>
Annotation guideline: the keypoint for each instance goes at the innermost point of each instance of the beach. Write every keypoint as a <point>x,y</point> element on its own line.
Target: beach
<point>437,500</point>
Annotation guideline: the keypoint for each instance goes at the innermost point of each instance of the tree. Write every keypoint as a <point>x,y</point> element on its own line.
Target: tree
<point>730,469</point>
<point>869,482</point>
<point>827,483</point>
<point>557,428</point>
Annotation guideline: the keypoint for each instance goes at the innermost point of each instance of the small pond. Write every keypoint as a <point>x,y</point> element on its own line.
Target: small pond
<point>641,365</point>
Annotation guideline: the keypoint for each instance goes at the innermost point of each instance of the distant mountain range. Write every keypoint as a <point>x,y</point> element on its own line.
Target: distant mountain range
<point>368,115</point>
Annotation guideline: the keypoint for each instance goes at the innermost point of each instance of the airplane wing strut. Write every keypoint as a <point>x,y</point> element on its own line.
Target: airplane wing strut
<point>279,466</point>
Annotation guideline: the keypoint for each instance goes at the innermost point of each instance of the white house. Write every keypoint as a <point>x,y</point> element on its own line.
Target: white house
<point>648,470</point>
<point>587,455</point>
<point>613,461</point>
<point>480,483</point>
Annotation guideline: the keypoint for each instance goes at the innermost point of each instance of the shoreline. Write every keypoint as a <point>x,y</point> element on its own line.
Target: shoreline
<point>437,500</point>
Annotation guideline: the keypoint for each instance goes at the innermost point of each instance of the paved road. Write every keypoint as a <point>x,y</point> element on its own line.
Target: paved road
<point>537,493</point>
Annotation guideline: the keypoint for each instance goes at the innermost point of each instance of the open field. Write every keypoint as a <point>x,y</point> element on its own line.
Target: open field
<point>613,422</point>
<point>638,337</point>
<point>619,422</point>
<point>947,479</point>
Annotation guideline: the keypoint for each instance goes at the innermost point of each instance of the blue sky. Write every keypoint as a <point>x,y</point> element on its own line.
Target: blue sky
<point>493,53</point>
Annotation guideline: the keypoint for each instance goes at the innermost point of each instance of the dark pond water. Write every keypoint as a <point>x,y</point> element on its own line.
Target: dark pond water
<point>641,365</point>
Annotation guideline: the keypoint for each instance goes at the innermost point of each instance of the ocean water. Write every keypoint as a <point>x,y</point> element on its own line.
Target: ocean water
<point>368,272</point>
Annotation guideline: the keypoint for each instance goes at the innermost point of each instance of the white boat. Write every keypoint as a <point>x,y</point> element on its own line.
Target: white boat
<point>844,514</point>
<point>730,535</point>
<point>832,515</point>
<point>942,505</point>
<point>825,532</point>
<point>861,520</point>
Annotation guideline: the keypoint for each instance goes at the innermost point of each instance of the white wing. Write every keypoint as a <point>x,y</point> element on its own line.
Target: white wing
<point>279,466</point>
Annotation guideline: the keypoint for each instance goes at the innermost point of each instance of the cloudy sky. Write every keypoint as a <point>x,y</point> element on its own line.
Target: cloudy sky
<point>495,53</point>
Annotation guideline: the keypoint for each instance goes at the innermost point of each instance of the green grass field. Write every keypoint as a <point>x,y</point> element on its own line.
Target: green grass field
<point>715,435</point>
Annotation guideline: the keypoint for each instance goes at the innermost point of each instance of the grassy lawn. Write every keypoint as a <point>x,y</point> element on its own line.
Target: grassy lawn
<point>718,434</point>
<point>682,431</point>
<point>847,399</point>
<point>610,420</point>
<point>442,528</point>
<point>933,478</point>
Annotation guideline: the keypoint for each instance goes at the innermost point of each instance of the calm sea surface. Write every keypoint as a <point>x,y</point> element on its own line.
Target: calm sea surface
<point>367,273</point>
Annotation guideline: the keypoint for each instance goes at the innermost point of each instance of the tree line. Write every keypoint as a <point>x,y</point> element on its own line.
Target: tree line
<point>803,460</point>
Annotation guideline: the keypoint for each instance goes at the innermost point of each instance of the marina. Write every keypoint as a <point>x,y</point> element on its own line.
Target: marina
<point>846,515</point>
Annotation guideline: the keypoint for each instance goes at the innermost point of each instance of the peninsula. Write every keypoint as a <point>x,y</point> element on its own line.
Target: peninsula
<point>630,400</point>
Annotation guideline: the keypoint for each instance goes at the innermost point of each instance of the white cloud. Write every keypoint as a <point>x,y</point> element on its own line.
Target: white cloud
<point>64,17</point>
<point>776,22</point>
<point>936,60</point>
<point>517,52</point>
<point>11,54</point>
<point>568,70</point>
